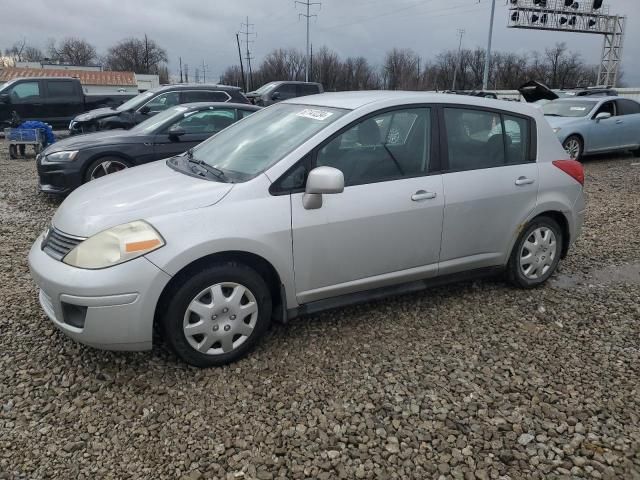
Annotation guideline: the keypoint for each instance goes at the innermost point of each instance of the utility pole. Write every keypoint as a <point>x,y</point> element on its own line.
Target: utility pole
<point>186,73</point>
<point>308,4</point>
<point>244,82</point>
<point>487,60</point>
<point>458,60</point>
<point>246,31</point>
<point>181,80</point>
<point>204,72</point>
<point>311,65</point>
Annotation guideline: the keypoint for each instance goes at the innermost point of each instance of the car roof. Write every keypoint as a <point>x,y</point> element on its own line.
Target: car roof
<point>359,99</point>
<point>198,105</point>
<point>193,86</point>
<point>297,82</point>
<point>591,98</point>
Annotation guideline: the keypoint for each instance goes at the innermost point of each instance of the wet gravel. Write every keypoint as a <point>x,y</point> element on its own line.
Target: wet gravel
<point>475,380</point>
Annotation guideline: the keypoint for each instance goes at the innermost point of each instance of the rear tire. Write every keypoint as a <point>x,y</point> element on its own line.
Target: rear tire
<point>217,315</point>
<point>636,153</point>
<point>104,166</point>
<point>536,254</point>
<point>574,147</point>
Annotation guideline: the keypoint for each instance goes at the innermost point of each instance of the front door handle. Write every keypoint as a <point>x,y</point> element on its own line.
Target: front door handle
<point>422,195</point>
<point>619,122</point>
<point>524,181</point>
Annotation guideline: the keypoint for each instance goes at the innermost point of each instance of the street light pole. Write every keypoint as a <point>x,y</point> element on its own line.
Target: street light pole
<point>487,60</point>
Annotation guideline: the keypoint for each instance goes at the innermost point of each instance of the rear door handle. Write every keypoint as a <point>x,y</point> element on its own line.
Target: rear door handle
<point>524,181</point>
<point>422,195</point>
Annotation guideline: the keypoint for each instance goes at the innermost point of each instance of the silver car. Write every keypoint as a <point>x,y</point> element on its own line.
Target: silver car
<point>588,125</point>
<point>303,206</point>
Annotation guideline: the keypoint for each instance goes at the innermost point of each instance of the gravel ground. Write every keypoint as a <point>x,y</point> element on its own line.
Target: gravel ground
<point>475,380</point>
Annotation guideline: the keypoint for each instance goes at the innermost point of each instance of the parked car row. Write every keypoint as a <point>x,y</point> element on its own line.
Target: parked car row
<point>309,204</point>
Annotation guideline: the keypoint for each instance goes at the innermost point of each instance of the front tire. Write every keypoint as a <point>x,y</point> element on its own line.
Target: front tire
<point>217,315</point>
<point>536,254</point>
<point>105,166</point>
<point>574,147</point>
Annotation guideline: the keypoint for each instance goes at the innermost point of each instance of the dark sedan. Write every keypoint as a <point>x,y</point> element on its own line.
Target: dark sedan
<point>69,163</point>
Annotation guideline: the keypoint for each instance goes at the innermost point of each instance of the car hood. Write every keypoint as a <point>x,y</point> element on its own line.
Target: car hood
<point>134,194</point>
<point>533,91</point>
<point>96,114</point>
<point>558,122</point>
<point>77,142</point>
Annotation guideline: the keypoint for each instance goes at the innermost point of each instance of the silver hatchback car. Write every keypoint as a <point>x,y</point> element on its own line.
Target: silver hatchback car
<point>309,204</point>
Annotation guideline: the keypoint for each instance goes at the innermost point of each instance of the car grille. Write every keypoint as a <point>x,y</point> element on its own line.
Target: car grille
<point>58,244</point>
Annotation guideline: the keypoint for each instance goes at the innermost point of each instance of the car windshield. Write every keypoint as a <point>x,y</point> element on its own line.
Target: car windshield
<point>573,108</point>
<point>265,88</point>
<point>152,123</point>
<point>249,147</point>
<point>135,101</point>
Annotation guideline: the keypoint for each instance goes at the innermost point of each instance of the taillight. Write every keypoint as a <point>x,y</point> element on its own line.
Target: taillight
<point>572,168</point>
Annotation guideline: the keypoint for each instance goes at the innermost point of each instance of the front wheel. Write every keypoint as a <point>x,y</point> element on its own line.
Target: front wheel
<point>574,147</point>
<point>536,254</point>
<point>217,315</point>
<point>105,166</point>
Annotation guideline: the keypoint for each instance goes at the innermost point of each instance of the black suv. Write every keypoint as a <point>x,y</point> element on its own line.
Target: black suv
<point>149,103</point>
<point>274,92</point>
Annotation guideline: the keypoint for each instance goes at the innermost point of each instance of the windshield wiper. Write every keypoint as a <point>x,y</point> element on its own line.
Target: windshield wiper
<point>216,172</point>
<point>552,115</point>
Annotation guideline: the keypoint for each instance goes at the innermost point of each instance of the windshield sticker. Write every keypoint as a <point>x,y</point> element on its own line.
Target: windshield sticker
<point>314,114</point>
<point>578,109</point>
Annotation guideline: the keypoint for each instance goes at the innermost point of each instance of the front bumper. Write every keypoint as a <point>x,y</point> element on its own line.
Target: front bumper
<point>59,178</point>
<point>110,309</point>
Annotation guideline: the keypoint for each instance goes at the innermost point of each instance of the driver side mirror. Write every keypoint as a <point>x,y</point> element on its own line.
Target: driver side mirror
<point>276,96</point>
<point>321,180</point>
<point>602,116</point>
<point>4,98</point>
<point>176,132</point>
<point>144,110</point>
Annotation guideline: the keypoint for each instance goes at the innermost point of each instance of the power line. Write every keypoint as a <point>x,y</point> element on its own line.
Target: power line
<point>308,16</point>
<point>246,31</point>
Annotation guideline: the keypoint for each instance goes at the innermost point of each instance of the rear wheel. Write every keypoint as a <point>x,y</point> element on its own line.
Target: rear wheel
<point>217,315</point>
<point>105,166</point>
<point>536,254</point>
<point>573,146</point>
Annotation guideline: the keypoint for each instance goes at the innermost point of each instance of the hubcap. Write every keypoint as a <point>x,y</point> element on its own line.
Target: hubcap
<point>538,253</point>
<point>220,318</point>
<point>107,167</point>
<point>572,147</point>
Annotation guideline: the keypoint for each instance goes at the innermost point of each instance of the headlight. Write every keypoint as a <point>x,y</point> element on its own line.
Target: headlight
<point>556,129</point>
<point>115,245</point>
<point>62,156</point>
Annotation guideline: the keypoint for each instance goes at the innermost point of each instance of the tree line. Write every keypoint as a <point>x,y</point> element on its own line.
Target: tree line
<point>139,55</point>
<point>404,69</point>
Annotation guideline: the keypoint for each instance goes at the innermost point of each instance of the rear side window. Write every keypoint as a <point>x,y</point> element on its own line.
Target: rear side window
<point>61,89</point>
<point>628,107</point>
<point>205,96</point>
<point>482,139</point>
<point>307,90</point>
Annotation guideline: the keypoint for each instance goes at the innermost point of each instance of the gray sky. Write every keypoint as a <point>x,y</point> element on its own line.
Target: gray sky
<point>201,30</point>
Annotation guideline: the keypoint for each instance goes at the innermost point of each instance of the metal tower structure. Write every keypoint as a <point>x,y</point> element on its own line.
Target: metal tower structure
<point>577,16</point>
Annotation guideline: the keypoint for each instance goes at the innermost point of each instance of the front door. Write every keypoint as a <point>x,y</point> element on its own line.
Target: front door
<point>490,187</point>
<point>27,99</point>
<point>196,126</point>
<point>385,227</point>
<point>606,134</point>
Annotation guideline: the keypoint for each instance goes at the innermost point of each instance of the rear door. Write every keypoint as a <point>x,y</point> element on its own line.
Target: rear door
<point>197,125</point>
<point>385,227</point>
<point>490,184</point>
<point>629,119</point>
<point>64,100</point>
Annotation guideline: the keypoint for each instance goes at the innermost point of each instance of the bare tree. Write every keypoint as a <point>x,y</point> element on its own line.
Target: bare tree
<point>22,52</point>
<point>136,55</point>
<point>401,69</point>
<point>72,50</point>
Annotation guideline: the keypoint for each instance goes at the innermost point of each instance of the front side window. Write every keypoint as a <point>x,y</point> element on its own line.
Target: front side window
<point>205,96</point>
<point>481,139</point>
<point>288,90</point>
<point>24,91</point>
<point>164,101</point>
<point>206,121</point>
<point>247,148</point>
<point>568,108</point>
<point>389,146</point>
<point>607,107</point>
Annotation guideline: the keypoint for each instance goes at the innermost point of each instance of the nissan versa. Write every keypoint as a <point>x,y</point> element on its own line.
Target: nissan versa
<point>309,204</point>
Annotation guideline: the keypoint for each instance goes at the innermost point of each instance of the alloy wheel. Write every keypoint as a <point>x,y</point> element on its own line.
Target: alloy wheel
<point>538,253</point>
<point>107,167</point>
<point>220,318</point>
<point>572,147</point>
